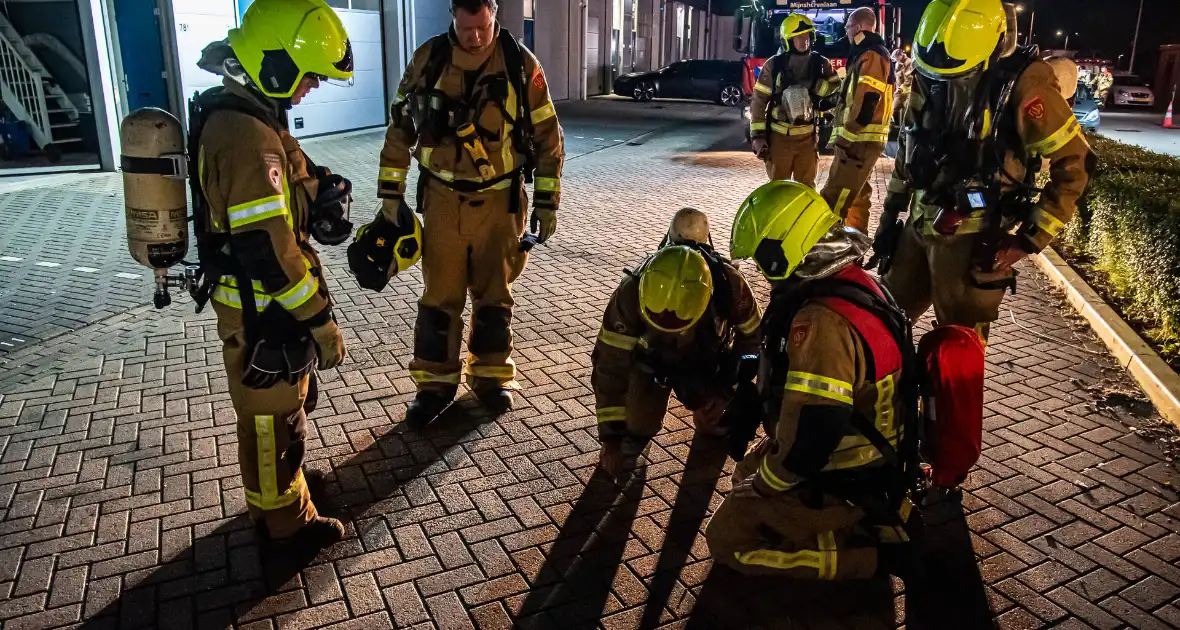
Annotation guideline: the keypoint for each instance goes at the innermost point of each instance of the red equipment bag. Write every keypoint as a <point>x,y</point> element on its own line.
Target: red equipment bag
<point>952,358</point>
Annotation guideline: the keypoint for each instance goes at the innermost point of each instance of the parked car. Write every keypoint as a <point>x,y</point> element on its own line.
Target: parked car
<point>711,80</point>
<point>1086,108</point>
<point>1129,89</point>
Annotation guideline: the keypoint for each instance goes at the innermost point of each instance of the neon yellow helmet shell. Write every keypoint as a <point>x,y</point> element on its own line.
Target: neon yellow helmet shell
<point>675,287</point>
<point>796,25</point>
<point>957,36</point>
<point>778,224</point>
<point>280,41</point>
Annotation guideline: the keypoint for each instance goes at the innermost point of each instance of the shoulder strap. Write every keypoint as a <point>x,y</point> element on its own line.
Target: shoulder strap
<point>522,134</point>
<point>439,59</point>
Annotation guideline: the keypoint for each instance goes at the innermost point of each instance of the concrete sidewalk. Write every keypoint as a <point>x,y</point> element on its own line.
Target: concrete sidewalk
<point>120,502</point>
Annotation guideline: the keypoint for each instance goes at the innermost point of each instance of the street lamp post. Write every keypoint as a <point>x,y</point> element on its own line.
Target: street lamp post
<point>1135,42</point>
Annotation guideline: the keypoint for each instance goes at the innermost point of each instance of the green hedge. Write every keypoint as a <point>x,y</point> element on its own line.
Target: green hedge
<point>1129,226</point>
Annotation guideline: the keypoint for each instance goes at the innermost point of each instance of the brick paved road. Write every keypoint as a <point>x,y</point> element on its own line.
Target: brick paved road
<point>122,508</point>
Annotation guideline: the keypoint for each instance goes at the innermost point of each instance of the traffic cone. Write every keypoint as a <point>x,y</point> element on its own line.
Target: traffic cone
<point>1168,117</point>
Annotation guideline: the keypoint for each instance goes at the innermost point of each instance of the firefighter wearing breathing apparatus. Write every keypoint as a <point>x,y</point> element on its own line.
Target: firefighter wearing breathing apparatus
<point>825,495</point>
<point>474,110</point>
<point>862,121</point>
<point>792,88</point>
<point>258,202</point>
<point>681,324</point>
<point>981,117</point>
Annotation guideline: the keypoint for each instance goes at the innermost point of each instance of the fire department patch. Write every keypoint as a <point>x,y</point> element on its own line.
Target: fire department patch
<point>275,177</point>
<point>1035,108</point>
<point>799,332</point>
<point>539,80</point>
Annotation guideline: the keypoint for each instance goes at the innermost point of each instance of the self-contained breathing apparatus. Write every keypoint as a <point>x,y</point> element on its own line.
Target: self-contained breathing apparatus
<point>155,165</point>
<point>436,116</point>
<point>694,382</point>
<point>798,101</point>
<point>760,404</point>
<point>967,176</point>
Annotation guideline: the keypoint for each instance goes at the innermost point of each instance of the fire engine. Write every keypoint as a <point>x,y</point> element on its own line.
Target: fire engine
<point>756,35</point>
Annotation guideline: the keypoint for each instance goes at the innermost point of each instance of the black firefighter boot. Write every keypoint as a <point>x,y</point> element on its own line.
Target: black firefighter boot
<point>428,405</point>
<point>498,400</point>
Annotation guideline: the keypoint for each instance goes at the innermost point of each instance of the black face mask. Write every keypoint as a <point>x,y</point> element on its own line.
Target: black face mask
<point>329,214</point>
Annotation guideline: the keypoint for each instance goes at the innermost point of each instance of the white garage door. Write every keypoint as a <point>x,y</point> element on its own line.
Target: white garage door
<point>329,109</point>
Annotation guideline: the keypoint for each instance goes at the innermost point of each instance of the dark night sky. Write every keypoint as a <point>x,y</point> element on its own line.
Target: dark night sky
<point>1105,27</point>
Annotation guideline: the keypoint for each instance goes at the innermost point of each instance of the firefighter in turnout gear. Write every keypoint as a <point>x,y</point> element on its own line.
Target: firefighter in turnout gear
<point>791,87</point>
<point>258,201</point>
<point>474,110</point>
<point>862,121</point>
<point>680,324</point>
<point>982,116</point>
<point>821,496</point>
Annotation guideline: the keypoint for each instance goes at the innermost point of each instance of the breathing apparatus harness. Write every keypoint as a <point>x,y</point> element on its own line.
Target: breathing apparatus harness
<point>688,381</point>
<point>436,116</point>
<point>880,495</point>
<point>327,223</point>
<point>784,74</point>
<point>963,176</point>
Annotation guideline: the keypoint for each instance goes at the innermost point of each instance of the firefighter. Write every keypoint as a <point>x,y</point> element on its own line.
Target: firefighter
<point>971,215</point>
<point>903,67</point>
<point>789,91</point>
<point>818,497</point>
<point>474,109</point>
<point>1102,84</point>
<point>258,199</point>
<point>680,324</point>
<point>862,121</point>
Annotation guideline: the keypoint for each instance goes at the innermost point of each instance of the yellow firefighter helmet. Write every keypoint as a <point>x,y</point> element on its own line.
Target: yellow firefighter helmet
<point>957,36</point>
<point>280,41</point>
<point>778,224</point>
<point>795,25</point>
<point>675,286</point>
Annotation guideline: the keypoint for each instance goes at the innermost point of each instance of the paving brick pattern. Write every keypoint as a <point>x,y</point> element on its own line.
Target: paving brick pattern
<point>120,503</point>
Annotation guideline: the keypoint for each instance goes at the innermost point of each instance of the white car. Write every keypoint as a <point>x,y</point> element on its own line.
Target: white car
<point>1130,90</point>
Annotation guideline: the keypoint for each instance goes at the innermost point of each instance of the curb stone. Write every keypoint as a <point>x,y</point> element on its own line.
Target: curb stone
<point>1154,375</point>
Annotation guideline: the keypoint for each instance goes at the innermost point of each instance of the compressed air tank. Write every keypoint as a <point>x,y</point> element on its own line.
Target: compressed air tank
<point>156,208</point>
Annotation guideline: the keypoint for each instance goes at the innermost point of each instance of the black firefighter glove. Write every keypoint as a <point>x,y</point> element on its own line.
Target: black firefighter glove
<point>373,252</point>
<point>743,415</point>
<point>329,213</point>
<point>889,233</point>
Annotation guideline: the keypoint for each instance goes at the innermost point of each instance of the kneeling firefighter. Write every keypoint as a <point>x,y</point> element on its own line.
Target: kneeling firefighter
<point>826,494</point>
<point>474,109</point>
<point>792,88</point>
<point>981,117</point>
<point>681,324</point>
<point>258,201</point>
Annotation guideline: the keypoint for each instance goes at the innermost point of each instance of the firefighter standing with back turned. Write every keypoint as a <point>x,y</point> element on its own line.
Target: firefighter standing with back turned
<point>681,323</point>
<point>982,116</point>
<point>862,121</point>
<point>257,200</point>
<point>823,495</point>
<point>474,109</point>
<point>789,90</point>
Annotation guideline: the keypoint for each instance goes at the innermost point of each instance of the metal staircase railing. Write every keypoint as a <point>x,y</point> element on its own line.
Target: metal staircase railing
<point>23,91</point>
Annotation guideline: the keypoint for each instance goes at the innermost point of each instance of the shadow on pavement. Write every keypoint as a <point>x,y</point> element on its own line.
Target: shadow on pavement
<point>706,459</point>
<point>224,576</point>
<point>950,594</point>
<point>575,582</point>
<point>729,599</point>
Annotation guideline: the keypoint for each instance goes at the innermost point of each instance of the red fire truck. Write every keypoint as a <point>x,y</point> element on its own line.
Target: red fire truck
<point>756,34</point>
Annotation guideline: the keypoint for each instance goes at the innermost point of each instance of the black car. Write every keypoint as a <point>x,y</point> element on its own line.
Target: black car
<point>714,80</point>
